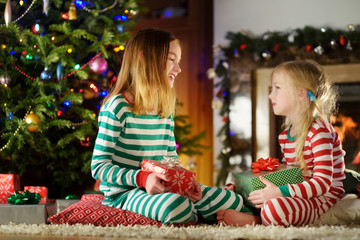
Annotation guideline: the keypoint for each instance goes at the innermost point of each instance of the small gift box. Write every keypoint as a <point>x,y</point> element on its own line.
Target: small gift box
<point>248,181</point>
<point>180,178</point>
<point>9,183</point>
<point>27,213</point>
<point>43,191</point>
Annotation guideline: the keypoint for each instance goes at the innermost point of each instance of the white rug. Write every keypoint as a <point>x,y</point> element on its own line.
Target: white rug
<point>193,232</point>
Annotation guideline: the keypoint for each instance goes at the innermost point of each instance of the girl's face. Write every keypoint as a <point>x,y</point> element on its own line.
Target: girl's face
<point>282,96</point>
<point>172,65</point>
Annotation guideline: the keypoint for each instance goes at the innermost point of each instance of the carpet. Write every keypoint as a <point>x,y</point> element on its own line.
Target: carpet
<point>192,232</point>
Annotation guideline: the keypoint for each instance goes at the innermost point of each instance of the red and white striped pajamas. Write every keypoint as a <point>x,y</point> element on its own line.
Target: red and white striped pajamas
<point>322,186</point>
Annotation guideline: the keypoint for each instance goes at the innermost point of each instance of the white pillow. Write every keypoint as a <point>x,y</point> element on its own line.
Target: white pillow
<point>346,211</point>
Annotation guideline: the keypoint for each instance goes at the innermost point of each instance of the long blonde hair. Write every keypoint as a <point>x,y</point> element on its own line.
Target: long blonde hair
<point>309,75</point>
<point>143,73</point>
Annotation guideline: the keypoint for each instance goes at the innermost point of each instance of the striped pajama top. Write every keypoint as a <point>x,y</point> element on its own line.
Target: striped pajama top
<point>324,159</point>
<point>123,140</point>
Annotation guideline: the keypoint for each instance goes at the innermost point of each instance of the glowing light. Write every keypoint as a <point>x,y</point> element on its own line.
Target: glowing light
<point>10,116</point>
<point>29,57</point>
<point>122,47</point>
<point>35,46</point>
<point>77,67</point>
<point>20,40</point>
<point>168,13</point>
<point>69,50</point>
<point>104,93</point>
<point>52,38</point>
<point>92,85</point>
<point>23,52</point>
<point>67,103</point>
<point>3,46</point>
<point>21,2</point>
<point>116,49</point>
<point>126,11</point>
<point>59,113</point>
<point>65,15</point>
<point>225,94</point>
<point>72,90</point>
<point>12,52</point>
<point>94,115</point>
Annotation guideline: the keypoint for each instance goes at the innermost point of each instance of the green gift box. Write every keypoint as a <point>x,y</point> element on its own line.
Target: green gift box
<point>247,181</point>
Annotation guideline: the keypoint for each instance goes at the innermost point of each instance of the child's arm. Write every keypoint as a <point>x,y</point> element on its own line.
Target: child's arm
<point>102,167</point>
<point>322,174</point>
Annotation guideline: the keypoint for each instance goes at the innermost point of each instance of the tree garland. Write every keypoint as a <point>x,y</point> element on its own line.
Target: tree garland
<point>324,45</point>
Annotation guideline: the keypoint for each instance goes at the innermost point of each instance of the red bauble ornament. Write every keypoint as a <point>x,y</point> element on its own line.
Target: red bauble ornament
<point>99,65</point>
<point>308,47</point>
<point>342,40</point>
<point>243,46</point>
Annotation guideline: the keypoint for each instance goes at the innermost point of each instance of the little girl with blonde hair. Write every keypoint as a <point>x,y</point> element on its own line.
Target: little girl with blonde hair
<point>302,93</point>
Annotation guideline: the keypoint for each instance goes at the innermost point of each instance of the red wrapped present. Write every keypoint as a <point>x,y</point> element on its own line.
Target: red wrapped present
<point>9,183</point>
<point>43,191</point>
<point>180,178</point>
<point>262,164</point>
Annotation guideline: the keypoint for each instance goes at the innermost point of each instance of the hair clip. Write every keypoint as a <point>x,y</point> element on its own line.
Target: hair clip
<point>311,95</point>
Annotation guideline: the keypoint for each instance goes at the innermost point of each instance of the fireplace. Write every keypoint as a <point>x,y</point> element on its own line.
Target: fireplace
<point>267,126</point>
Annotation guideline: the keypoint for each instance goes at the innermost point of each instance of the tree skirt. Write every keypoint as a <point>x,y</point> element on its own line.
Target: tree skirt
<point>191,232</point>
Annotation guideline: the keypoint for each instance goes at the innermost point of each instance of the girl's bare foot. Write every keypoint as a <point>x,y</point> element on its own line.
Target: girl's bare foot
<point>235,218</point>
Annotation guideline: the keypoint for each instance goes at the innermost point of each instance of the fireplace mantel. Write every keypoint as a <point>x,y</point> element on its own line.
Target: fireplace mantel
<point>262,137</point>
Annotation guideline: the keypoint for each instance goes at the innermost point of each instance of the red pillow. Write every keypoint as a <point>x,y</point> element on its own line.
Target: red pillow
<point>90,211</point>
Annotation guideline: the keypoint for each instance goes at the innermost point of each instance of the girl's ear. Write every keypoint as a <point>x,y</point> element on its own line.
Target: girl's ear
<point>302,94</point>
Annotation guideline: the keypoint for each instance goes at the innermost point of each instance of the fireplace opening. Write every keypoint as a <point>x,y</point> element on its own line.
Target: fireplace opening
<point>347,123</point>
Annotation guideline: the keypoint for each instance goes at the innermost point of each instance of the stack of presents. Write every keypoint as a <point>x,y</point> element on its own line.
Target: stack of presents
<point>30,206</point>
<point>16,207</point>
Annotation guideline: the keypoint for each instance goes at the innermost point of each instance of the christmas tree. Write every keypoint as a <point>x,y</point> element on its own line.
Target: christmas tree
<point>58,60</point>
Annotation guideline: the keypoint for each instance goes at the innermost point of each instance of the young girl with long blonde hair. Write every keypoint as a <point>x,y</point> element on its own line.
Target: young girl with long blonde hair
<point>136,122</point>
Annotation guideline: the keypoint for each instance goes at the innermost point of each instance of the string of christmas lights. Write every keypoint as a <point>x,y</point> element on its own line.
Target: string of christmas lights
<point>22,15</point>
<point>99,11</point>
<point>70,74</point>
<point>17,129</point>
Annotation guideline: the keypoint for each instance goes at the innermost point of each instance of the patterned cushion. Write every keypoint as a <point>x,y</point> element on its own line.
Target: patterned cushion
<point>90,211</point>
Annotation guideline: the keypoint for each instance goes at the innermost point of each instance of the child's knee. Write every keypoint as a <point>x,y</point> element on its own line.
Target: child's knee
<point>272,215</point>
<point>179,211</point>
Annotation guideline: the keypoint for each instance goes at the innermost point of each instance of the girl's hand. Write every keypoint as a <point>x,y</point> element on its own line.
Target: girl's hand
<point>230,187</point>
<point>195,193</point>
<point>155,183</point>
<point>258,197</point>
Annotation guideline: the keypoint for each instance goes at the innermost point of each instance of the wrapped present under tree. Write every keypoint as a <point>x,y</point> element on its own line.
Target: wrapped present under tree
<point>9,183</point>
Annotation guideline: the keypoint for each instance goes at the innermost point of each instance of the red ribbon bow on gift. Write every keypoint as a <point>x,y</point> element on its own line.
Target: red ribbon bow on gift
<point>268,164</point>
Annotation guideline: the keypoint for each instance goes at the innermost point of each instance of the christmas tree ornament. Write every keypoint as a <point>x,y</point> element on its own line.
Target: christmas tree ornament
<point>99,65</point>
<point>319,50</point>
<point>120,28</point>
<point>333,44</point>
<point>72,12</point>
<point>342,40</point>
<point>309,47</point>
<point>266,54</point>
<point>349,46</point>
<point>5,80</point>
<point>7,13</point>
<point>59,71</point>
<point>65,16</point>
<point>86,142</point>
<point>33,119</point>
<point>350,27</point>
<point>36,28</point>
<point>46,7</point>
<point>46,74</point>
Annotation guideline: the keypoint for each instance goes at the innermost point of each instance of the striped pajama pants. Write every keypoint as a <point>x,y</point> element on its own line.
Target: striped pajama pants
<point>171,208</point>
<point>286,211</point>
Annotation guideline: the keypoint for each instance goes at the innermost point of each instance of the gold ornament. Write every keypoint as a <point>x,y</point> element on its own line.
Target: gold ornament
<point>72,12</point>
<point>7,13</point>
<point>34,120</point>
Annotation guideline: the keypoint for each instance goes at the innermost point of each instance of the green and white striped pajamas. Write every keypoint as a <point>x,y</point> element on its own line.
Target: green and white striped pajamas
<point>123,140</point>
